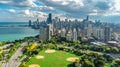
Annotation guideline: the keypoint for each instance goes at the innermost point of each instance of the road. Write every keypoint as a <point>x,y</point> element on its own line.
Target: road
<point>13,62</point>
<point>114,56</point>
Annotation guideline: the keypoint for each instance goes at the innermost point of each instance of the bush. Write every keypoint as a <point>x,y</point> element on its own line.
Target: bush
<point>87,63</point>
<point>99,63</point>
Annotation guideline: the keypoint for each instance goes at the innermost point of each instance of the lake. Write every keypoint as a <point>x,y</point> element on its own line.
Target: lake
<point>15,33</point>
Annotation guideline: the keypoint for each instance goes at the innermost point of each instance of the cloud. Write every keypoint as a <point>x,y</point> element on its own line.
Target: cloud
<point>11,10</point>
<point>28,13</point>
<point>32,14</point>
<point>72,7</point>
<point>21,15</point>
<point>30,9</point>
<point>102,5</point>
<point>77,8</point>
<point>65,5</point>
<point>24,3</point>
<point>18,3</point>
<point>116,4</point>
<point>43,8</point>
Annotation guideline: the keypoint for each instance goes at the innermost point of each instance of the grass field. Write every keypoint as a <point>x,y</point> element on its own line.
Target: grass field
<point>56,59</point>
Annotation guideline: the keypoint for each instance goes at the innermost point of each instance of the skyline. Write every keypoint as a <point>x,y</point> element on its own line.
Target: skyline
<point>24,10</point>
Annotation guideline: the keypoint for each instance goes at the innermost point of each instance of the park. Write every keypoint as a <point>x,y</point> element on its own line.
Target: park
<point>50,58</point>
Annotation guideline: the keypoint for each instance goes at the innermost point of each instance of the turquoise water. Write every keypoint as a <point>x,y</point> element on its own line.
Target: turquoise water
<point>15,33</point>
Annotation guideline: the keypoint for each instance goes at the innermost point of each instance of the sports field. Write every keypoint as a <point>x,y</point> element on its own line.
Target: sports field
<point>52,58</point>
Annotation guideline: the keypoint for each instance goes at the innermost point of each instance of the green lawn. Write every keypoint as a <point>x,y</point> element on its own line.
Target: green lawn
<point>57,59</point>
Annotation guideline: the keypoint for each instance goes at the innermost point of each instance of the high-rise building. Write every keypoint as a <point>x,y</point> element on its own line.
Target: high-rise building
<point>49,19</point>
<point>87,18</point>
<point>98,33</point>
<point>45,32</point>
<point>30,23</point>
<point>50,30</point>
<point>63,32</point>
<point>115,36</point>
<point>36,24</point>
<point>69,36</point>
<point>89,30</point>
<point>79,32</point>
<point>101,34</point>
<point>107,34</point>
<point>74,34</point>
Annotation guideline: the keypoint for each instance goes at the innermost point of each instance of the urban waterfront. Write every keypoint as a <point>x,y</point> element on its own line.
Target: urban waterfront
<point>59,33</point>
<point>15,33</point>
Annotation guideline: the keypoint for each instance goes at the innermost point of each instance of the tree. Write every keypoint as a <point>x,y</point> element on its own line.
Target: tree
<point>1,50</point>
<point>99,63</point>
<point>116,64</point>
<point>35,52</point>
<point>87,63</point>
<point>24,64</point>
<point>107,49</point>
<point>114,49</point>
<point>1,56</point>
<point>108,58</point>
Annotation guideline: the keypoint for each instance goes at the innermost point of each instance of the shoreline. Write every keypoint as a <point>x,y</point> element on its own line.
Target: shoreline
<point>16,38</point>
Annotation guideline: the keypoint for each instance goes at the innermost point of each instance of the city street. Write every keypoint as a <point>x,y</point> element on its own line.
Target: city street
<point>13,62</point>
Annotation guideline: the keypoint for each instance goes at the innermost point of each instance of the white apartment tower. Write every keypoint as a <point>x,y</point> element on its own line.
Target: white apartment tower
<point>69,35</point>
<point>63,32</point>
<point>74,34</point>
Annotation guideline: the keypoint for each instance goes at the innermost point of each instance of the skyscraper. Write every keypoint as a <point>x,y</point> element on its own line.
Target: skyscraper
<point>49,19</point>
<point>87,18</point>
<point>107,34</point>
<point>74,34</point>
<point>69,35</point>
<point>89,30</point>
<point>45,32</point>
<point>63,32</point>
<point>36,24</point>
<point>98,33</point>
<point>30,23</point>
<point>50,30</point>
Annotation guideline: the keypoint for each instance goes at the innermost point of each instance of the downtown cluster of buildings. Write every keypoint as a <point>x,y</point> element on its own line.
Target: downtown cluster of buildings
<point>76,30</point>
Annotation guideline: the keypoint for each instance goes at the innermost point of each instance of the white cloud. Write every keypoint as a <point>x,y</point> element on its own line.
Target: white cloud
<point>64,4</point>
<point>62,8</point>
<point>93,14</point>
<point>44,8</point>
<point>77,7</point>
<point>5,1</point>
<point>28,13</point>
<point>114,8</point>
<point>11,10</point>
<point>117,5</point>
<point>112,14</point>
<point>19,3</point>
<point>35,14</point>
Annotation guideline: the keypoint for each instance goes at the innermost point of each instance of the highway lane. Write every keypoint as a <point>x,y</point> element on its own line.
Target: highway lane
<point>13,60</point>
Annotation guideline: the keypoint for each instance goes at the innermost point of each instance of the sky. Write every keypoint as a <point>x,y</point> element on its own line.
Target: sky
<point>24,10</point>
